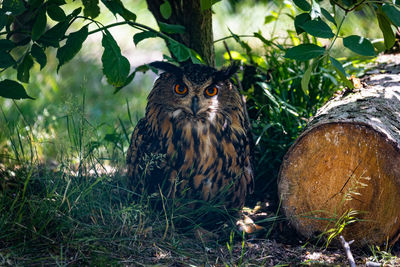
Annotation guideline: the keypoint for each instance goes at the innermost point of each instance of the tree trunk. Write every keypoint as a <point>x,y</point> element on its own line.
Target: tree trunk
<point>348,159</point>
<point>198,24</point>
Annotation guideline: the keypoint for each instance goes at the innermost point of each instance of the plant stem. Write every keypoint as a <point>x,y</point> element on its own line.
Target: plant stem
<point>337,33</point>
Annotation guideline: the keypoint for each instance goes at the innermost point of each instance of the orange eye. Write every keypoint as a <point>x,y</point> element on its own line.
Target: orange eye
<point>211,91</point>
<point>180,89</point>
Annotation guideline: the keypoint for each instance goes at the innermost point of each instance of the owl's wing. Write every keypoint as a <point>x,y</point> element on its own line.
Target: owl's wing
<point>136,143</point>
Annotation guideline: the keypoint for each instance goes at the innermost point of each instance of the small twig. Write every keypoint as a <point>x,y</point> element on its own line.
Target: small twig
<point>346,246</point>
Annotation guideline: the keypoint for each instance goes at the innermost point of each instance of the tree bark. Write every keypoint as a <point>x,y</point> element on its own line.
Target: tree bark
<point>198,25</point>
<point>348,159</point>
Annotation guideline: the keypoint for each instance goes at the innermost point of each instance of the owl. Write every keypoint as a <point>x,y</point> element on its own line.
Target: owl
<point>194,140</point>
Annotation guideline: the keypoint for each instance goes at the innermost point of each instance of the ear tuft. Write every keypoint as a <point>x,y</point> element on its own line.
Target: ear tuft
<point>167,67</point>
<point>226,73</point>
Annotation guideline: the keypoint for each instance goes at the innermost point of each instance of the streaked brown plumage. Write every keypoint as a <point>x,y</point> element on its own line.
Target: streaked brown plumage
<point>194,137</point>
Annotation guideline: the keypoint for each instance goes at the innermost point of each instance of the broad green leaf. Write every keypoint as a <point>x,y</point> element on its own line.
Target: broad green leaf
<point>72,46</point>
<point>91,8</point>
<point>23,69</point>
<point>6,60</point>
<point>328,15</point>
<point>56,13</point>
<point>165,9</point>
<point>304,52</point>
<point>302,4</point>
<point>129,79</point>
<point>117,7</point>
<point>38,53</point>
<point>6,45</point>
<point>359,45</point>
<point>318,28</point>
<point>170,28</point>
<point>386,28</point>
<point>53,36</point>
<point>12,89</point>
<point>269,19</point>
<point>207,4</point>
<point>341,72</point>
<point>3,19</point>
<point>39,26</point>
<point>75,13</point>
<point>306,80</point>
<point>140,36</point>
<point>181,52</point>
<point>393,13</point>
<point>299,20</point>
<point>115,66</point>
<point>196,58</point>
<point>16,7</point>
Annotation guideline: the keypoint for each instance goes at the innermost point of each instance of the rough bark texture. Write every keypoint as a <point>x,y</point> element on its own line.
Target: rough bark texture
<point>348,158</point>
<point>198,25</point>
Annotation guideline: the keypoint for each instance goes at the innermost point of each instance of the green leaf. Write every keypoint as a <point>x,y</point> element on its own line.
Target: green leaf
<point>306,80</point>
<point>302,4</point>
<point>116,7</point>
<point>140,36</point>
<point>207,4</point>
<point>180,51</point>
<point>341,72</point>
<point>115,66</point>
<point>39,26</point>
<point>359,45</point>
<point>166,9</point>
<point>38,53</point>
<point>75,13</point>
<point>328,16</point>
<point>23,68</point>
<point>16,7</point>
<point>304,52</point>
<point>318,28</point>
<point>56,13</point>
<point>53,36</point>
<point>170,28</point>
<point>299,20</point>
<point>6,45</point>
<point>72,46</point>
<point>259,36</point>
<point>393,14</point>
<point>129,79</point>
<point>269,19</point>
<point>6,60</point>
<point>91,8</point>
<point>386,28</point>
<point>12,89</point>
<point>3,19</point>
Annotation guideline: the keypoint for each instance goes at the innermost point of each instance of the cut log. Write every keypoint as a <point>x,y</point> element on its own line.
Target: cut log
<point>348,159</point>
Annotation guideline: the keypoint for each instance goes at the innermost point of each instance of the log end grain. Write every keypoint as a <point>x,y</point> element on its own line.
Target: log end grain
<point>337,167</point>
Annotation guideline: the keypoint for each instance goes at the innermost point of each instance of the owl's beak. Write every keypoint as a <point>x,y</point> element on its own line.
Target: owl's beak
<point>195,105</point>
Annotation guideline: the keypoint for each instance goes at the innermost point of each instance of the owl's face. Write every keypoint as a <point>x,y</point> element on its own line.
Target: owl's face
<point>194,92</point>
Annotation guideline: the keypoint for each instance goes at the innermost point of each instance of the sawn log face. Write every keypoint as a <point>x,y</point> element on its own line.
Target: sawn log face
<point>348,158</point>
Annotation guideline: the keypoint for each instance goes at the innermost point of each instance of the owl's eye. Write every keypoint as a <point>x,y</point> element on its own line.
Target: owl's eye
<point>211,91</point>
<point>180,89</point>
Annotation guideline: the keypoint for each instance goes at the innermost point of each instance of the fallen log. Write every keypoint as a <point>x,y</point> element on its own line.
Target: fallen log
<point>347,161</point>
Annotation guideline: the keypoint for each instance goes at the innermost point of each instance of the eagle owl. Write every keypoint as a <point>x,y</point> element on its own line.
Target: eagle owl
<point>194,138</point>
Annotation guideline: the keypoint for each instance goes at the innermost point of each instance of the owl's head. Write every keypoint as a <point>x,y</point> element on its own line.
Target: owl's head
<point>194,91</point>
